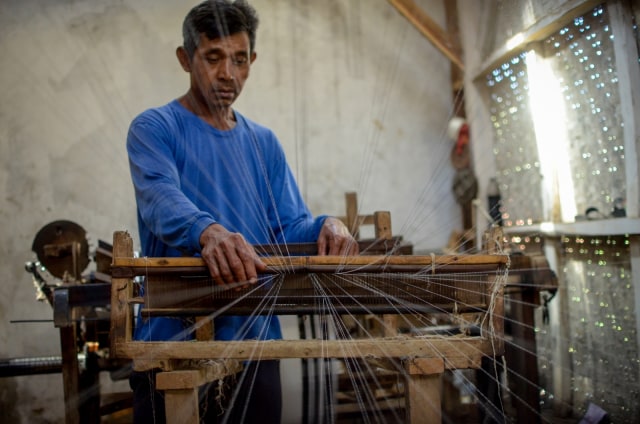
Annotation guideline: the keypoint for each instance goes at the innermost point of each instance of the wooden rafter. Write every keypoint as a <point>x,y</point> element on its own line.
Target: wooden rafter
<point>429,28</point>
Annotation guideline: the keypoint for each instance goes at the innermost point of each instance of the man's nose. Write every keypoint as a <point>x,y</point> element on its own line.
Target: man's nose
<point>225,70</point>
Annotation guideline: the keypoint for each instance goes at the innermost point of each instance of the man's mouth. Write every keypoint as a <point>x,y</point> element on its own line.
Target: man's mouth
<point>225,93</point>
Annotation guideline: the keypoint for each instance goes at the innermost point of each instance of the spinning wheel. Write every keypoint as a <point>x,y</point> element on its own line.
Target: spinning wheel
<point>62,248</point>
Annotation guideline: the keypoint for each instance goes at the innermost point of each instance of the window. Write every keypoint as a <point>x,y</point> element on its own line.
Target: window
<point>555,110</point>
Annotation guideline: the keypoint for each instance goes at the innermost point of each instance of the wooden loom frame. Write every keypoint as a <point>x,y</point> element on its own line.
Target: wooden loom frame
<point>423,360</point>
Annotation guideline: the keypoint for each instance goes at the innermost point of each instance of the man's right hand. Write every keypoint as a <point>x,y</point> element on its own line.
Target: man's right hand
<point>229,257</point>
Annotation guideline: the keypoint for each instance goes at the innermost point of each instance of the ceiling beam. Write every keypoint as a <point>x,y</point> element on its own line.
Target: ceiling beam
<point>429,28</point>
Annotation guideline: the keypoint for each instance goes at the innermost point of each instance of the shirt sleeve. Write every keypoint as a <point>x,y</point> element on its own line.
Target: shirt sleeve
<point>163,208</point>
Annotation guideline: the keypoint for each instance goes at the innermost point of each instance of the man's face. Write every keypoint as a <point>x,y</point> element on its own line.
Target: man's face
<point>220,67</point>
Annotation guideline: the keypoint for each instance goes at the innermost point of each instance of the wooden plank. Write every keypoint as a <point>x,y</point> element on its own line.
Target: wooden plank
<point>188,379</point>
<point>457,74</point>
<point>429,28</point>
<point>228,366</point>
<point>542,29</point>
<point>459,352</point>
<point>196,373</point>
<point>425,366</point>
<point>184,379</point>
<point>306,263</point>
<point>471,361</point>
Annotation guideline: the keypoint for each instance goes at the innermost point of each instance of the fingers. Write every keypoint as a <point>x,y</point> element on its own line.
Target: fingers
<point>351,248</point>
<point>335,244</point>
<point>335,239</point>
<point>322,243</point>
<point>343,246</point>
<point>229,257</point>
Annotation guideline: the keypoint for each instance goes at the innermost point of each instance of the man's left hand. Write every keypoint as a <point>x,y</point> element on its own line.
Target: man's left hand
<point>335,239</point>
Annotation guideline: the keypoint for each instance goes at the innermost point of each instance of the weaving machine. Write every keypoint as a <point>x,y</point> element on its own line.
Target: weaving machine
<point>387,285</point>
<point>80,300</point>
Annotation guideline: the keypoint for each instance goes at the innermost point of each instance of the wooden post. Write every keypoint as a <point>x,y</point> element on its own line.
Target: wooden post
<point>70,373</point>
<point>180,395</point>
<point>382,223</point>
<point>182,406</point>
<point>204,328</point>
<point>121,292</point>
<point>353,221</point>
<point>424,384</point>
<point>181,389</point>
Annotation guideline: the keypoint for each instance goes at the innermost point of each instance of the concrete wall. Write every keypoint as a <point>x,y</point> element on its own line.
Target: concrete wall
<point>358,97</point>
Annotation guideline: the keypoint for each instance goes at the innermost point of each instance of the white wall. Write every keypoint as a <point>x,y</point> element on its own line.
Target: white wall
<point>358,97</point>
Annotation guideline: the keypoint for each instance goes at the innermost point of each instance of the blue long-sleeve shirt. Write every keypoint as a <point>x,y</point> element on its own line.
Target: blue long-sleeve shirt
<point>188,175</point>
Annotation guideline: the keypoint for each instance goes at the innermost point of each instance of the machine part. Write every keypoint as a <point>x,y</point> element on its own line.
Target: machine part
<point>61,309</point>
<point>13,367</point>
<point>44,291</point>
<point>62,248</point>
<point>65,298</point>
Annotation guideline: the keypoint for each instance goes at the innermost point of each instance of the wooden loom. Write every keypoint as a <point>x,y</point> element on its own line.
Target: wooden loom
<point>352,285</point>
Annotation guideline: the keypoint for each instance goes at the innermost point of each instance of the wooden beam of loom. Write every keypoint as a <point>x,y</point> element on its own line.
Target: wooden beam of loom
<point>457,352</point>
<point>429,28</point>
<point>129,266</point>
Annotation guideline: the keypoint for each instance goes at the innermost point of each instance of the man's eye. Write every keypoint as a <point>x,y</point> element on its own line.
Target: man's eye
<point>213,59</point>
<point>240,60</point>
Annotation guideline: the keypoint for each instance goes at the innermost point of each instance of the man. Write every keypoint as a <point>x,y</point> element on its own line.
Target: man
<point>210,182</point>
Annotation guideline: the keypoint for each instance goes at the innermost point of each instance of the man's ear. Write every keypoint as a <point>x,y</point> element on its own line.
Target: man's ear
<point>183,58</point>
<point>253,57</point>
